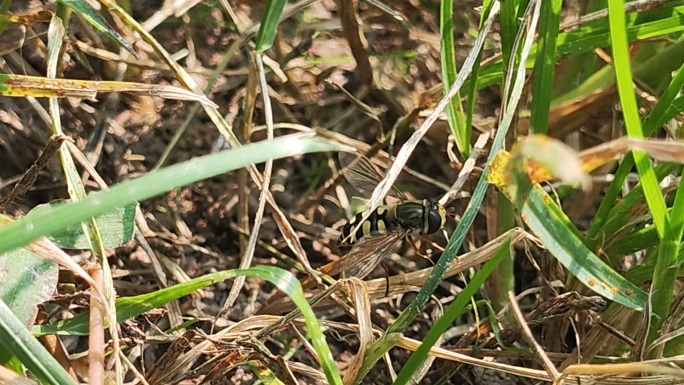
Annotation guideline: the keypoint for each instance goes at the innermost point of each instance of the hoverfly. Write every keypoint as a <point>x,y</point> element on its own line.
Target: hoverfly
<point>383,228</point>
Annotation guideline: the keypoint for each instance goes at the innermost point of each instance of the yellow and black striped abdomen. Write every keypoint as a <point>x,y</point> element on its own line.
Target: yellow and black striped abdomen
<point>379,222</point>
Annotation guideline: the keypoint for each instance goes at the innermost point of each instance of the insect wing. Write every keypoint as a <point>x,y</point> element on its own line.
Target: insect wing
<point>363,175</point>
<point>366,255</point>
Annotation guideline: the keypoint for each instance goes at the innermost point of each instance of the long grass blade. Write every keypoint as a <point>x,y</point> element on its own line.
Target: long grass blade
<point>42,222</point>
<point>455,115</point>
<point>544,65</point>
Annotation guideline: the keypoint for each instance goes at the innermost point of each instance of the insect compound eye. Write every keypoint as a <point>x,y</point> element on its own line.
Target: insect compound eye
<point>435,219</point>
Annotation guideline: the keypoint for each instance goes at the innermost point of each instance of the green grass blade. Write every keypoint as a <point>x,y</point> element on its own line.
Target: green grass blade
<point>668,107</point>
<point>630,111</point>
<point>455,115</point>
<point>457,307</point>
<point>563,241</point>
<point>26,281</point>
<point>544,66</point>
<point>91,16</point>
<point>15,338</point>
<point>117,228</point>
<point>133,306</point>
<point>43,222</point>
<point>641,239</point>
<point>624,212</point>
<point>665,274</point>
<point>269,25</point>
<point>649,24</point>
<point>472,88</point>
<point>509,28</point>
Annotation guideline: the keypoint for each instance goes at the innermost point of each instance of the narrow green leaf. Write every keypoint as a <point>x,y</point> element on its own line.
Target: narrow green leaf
<point>269,24</point>
<point>630,111</point>
<point>15,338</point>
<point>91,16</point>
<point>665,274</point>
<point>641,239</point>
<point>649,24</point>
<point>472,88</point>
<point>509,20</point>
<point>608,210</point>
<point>544,66</point>
<point>562,240</point>
<point>455,115</point>
<point>455,309</point>
<point>133,306</point>
<point>43,222</point>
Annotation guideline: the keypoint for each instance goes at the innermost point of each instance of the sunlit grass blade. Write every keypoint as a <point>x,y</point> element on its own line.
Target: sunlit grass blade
<point>647,24</point>
<point>269,24</point>
<point>117,228</point>
<point>90,14</point>
<point>455,309</point>
<point>544,65</point>
<point>548,222</point>
<point>455,115</point>
<point>665,273</point>
<point>563,241</point>
<point>26,281</point>
<point>129,307</point>
<point>43,222</point>
<point>18,340</point>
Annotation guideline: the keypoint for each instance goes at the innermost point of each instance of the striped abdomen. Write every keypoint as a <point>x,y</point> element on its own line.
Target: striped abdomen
<point>379,222</point>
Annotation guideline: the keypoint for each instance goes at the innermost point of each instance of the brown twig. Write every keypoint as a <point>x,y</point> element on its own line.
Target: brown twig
<point>527,333</point>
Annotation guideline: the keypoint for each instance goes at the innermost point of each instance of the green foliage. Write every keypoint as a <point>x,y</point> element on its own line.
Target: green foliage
<point>455,309</point>
<point>129,307</point>
<point>269,25</point>
<point>40,222</point>
<point>455,114</point>
<point>644,48</point>
<point>26,281</point>
<point>87,12</point>
<point>116,228</point>
<point>17,340</point>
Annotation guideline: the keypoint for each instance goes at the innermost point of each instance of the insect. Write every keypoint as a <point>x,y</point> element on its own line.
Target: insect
<point>374,239</point>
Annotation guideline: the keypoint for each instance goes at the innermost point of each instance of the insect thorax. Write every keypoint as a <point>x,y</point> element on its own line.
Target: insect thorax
<point>410,215</point>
